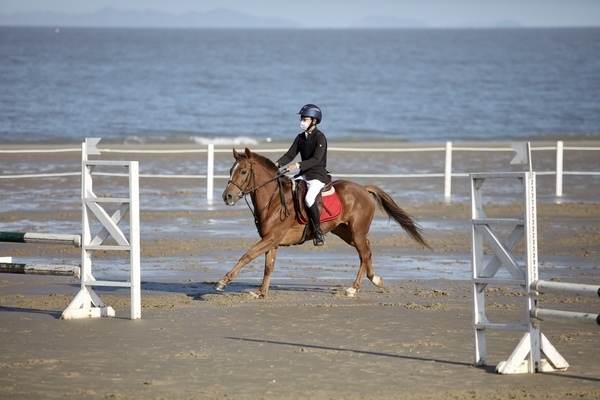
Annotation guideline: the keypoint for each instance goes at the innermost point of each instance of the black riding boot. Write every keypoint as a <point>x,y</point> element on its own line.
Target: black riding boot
<point>313,214</point>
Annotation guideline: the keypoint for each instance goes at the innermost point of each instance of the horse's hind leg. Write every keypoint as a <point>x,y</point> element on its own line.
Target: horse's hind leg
<point>362,245</point>
<point>366,266</point>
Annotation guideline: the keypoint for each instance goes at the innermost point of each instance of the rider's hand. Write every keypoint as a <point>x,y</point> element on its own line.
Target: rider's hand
<point>292,167</point>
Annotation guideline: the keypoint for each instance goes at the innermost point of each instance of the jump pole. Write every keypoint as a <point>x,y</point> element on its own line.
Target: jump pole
<point>540,287</point>
<point>8,267</point>
<point>40,269</point>
<point>544,314</point>
<point>577,289</point>
<point>43,238</point>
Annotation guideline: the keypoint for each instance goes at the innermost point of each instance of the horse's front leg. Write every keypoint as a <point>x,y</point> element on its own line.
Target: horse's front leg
<point>263,246</point>
<point>269,265</point>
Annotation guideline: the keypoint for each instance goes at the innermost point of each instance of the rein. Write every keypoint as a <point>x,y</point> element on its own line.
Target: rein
<point>245,192</point>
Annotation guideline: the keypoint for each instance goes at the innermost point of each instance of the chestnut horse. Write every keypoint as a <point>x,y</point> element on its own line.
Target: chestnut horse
<point>275,218</point>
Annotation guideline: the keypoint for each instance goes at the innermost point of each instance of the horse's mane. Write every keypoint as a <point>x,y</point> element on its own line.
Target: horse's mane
<point>267,163</point>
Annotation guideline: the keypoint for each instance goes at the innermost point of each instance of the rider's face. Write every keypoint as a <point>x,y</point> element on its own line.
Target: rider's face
<point>305,123</point>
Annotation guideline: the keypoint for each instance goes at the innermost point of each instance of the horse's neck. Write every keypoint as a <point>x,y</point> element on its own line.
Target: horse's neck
<point>267,197</point>
<point>264,190</point>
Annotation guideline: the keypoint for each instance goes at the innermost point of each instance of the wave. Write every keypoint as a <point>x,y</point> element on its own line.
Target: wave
<point>240,140</point>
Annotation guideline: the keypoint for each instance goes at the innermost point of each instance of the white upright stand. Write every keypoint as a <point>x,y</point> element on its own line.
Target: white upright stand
<point>87,303</point>
<point>527,355</point>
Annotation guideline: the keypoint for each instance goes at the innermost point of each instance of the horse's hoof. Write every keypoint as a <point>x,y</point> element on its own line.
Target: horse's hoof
<point>255,295</point>
<point>377,281</point>
<point>351,292</point>
<point>220,286</point>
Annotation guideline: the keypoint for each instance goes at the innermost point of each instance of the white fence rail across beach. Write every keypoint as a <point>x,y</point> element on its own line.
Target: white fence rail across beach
<point>448,150</point>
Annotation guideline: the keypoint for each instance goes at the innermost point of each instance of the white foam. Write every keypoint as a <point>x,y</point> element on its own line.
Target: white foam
<point>240,140</point>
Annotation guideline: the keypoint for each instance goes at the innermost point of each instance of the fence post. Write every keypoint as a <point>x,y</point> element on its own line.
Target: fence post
<point>559,168</point>
<point>210,173</point>
<point>448,172</point>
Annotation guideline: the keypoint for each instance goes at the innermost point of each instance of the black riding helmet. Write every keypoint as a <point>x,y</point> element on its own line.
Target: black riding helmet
<point>310,110</point>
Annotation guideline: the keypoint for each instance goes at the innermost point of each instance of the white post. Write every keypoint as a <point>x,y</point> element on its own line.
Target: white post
<point>210,169</point>
<point>559,168</point>
<point>477,266</point>
<point>448,172</point>
<point>531,245</point>
<point>134,240</point>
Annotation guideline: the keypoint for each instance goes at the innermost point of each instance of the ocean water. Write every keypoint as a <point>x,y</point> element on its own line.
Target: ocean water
<point>245,86</point>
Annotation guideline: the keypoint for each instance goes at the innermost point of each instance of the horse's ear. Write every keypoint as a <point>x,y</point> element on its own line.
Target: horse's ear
<point>248,152</point>
<point>236,155</point>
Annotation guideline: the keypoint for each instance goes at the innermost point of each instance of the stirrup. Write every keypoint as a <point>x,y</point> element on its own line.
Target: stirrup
<point>319,239</point>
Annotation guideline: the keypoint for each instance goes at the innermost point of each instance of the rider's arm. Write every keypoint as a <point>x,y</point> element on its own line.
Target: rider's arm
<point>289,155</point>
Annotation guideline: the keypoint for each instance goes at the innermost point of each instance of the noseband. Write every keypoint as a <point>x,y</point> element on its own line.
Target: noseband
<point>234,183</point>
<point>237,185</point>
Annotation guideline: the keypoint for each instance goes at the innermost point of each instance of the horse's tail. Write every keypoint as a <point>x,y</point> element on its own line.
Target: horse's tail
<point>393,210</point>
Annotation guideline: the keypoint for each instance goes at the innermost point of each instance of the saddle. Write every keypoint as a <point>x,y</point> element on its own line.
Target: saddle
<point>328,202</point>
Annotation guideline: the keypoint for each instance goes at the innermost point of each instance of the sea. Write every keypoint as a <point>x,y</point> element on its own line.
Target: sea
<point>61,85</point>
<point>244,87</point>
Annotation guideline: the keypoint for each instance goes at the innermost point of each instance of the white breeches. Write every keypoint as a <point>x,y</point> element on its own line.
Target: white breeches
<point>314,186</point>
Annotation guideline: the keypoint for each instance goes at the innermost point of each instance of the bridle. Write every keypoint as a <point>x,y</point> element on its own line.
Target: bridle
<point>251,176</point>
<point>244,192</point>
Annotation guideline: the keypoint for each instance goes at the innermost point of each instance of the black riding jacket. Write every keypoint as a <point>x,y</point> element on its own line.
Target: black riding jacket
<point>313,152</point>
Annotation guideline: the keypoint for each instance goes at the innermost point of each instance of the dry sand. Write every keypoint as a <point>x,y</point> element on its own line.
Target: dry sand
<point>412,340</point>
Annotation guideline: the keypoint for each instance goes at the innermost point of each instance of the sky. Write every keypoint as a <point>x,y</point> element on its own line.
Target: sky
<point>342,13</point>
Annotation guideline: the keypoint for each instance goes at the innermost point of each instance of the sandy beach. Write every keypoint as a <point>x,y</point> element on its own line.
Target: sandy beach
<point>413,339</point>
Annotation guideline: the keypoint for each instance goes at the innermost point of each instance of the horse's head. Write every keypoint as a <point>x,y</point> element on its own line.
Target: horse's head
<point>240,176</point>
<point>250,172</point>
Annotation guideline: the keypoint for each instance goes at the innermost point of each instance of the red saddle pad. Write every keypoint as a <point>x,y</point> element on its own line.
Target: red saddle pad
<point>332,207</point>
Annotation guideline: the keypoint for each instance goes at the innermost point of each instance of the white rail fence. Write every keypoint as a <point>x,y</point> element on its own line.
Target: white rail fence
<point>448,149</point>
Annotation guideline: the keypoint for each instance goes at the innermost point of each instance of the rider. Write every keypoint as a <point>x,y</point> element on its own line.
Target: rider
<point>312,146</point>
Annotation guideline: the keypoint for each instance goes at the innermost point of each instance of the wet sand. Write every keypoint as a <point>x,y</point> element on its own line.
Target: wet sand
<point>413,339</point>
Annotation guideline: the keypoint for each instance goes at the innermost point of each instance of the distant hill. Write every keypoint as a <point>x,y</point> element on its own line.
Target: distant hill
<point>387,22</point>
<point>111,18</point>
<point>378,21</point>
<point>216,18</point>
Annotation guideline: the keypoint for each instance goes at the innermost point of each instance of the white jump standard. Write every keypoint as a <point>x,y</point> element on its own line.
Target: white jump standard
<point>527,356</point>
<point>94,213</point>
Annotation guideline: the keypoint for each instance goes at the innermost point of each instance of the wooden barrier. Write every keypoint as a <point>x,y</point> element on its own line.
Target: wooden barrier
<point>44,238</point>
